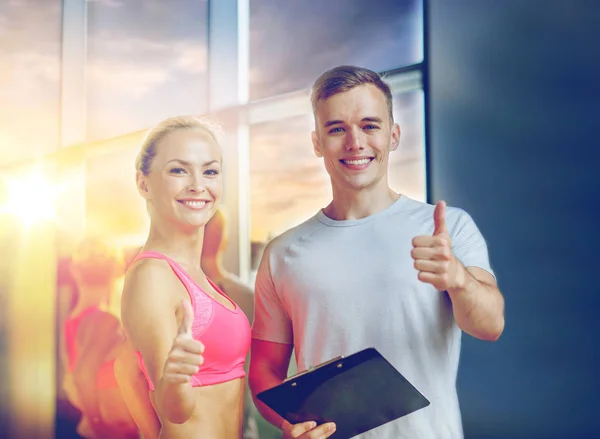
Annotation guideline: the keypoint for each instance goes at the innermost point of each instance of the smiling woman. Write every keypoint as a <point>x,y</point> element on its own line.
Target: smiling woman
<point>190,339</point>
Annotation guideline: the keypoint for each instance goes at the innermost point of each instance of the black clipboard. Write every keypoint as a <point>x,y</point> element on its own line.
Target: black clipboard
<point>358,393</point>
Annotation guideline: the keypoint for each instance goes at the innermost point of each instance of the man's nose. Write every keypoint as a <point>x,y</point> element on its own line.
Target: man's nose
<point>354,140</point>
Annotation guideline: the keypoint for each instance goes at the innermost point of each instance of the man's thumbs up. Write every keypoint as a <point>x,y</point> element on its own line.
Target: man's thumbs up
<point>434,260</point>
<point>439,218</point>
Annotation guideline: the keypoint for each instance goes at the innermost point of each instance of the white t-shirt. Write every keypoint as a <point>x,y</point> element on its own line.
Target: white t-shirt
<point>333,288</point>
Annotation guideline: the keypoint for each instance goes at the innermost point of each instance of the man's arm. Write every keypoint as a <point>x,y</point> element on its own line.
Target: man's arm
<point>477,303</point>
<point>269,364</point>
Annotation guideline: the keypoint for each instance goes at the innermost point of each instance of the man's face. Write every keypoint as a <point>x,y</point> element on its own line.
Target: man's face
<point>354,136</point>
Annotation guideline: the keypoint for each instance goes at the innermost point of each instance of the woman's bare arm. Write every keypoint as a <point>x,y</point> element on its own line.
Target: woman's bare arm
<point>151,296</point>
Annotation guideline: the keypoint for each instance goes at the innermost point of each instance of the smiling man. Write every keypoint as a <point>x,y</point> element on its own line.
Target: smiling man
<point>373,268</point>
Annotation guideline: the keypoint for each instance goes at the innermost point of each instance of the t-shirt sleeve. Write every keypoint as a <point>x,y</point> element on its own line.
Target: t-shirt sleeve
<point>468,244</point>
<point>271,321</point>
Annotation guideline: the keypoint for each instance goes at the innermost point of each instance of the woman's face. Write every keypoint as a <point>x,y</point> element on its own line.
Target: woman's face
<point>184,185</point>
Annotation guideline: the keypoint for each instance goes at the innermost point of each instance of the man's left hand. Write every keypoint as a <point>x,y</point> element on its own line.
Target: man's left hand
<point>433,255</point>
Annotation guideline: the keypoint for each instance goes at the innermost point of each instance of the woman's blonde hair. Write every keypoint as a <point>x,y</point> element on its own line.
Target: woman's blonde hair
<point>147,152</point>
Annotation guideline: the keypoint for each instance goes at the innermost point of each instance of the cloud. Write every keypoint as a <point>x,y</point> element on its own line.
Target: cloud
<point>190,57</point>
<point>134,66</point>
<point>124,80</point>
<point>291,45</point>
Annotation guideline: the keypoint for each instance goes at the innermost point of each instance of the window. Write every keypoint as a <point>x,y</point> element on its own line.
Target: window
<point>146,60</point>
<point>291,43</point>
<point>30,32</point>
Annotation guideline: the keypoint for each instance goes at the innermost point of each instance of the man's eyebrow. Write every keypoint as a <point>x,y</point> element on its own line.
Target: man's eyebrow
<point>332,122</point>
<point>364,119</point>
<point>372,119</point>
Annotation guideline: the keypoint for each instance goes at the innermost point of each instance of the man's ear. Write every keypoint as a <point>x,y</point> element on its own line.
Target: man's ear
<point>395,137</point>
<point>316,144</point>
<point>142,184</point>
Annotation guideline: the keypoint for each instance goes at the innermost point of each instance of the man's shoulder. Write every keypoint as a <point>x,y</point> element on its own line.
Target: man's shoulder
<point>422,213</point>
<point>292,235</point>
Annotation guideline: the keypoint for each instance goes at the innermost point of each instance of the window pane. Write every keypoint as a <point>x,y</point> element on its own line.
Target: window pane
<point>30,32</point>
<point>146,61</point>
<point>407,164</point>
<point>291,43</point>
<point>113,206</point>
<point>289,184</point>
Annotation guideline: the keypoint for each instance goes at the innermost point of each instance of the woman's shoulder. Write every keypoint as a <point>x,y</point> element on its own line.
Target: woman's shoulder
<point>150,282</point>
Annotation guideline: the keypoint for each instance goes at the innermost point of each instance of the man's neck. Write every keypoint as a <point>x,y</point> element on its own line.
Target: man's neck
<point>352,205</point>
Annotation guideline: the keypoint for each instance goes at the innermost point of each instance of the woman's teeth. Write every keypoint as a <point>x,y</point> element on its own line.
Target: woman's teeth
<point>194,204</point>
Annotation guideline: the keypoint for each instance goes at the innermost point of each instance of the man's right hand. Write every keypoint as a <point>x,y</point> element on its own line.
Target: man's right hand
<point>307,430</point>
<point>185,357</point>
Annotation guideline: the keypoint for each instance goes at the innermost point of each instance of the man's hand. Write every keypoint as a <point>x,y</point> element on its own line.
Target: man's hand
<point>185,357</point>
<point>307,430</point>
<point>434,258</point>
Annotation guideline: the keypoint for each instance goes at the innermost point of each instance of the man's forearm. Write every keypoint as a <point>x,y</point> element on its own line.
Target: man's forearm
<point>260,381</point>
<point>478,308</point>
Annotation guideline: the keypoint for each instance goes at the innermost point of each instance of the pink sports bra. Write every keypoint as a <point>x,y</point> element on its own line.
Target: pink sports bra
<point>225,333</point>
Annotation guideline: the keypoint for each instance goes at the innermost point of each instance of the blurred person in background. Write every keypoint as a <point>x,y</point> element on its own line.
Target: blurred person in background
<point>92,336</point>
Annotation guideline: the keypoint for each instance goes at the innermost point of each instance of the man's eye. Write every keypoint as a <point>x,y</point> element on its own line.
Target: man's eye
<point>336,130</point>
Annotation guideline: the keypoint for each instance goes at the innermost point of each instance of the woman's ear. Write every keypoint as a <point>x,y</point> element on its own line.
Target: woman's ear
<point>142,184</point>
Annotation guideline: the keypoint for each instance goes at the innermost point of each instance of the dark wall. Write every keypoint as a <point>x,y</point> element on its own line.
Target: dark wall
<point>514,128</point>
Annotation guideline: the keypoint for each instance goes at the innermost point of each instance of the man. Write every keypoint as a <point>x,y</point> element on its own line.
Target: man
<point>373,268</point>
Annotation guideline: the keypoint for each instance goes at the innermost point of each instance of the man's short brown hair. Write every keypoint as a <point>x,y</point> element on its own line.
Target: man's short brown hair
<point>344,78</point>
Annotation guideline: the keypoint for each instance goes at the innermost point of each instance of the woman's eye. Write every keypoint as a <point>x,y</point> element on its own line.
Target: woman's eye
<point>211,172</point>
<point>177,171</point>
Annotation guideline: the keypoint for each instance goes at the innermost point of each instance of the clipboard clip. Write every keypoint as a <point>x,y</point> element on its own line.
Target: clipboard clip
<point>311,368</point>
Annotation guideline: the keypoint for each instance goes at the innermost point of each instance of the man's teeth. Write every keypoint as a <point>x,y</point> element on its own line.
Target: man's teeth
<point>195,204</point>
<point>357,162</point>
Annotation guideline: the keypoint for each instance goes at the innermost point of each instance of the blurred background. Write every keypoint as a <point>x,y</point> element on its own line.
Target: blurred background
<point>498,104</point>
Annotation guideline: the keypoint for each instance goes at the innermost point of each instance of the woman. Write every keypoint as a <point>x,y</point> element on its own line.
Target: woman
<point>92,337</point>
<point>190,338</point>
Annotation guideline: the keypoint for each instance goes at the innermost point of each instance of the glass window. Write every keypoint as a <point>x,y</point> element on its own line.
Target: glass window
<point>289,184</point>
<point>30,32</point>
<point>146,60</point>
<point>291,43</point>
<point>113,206</point>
